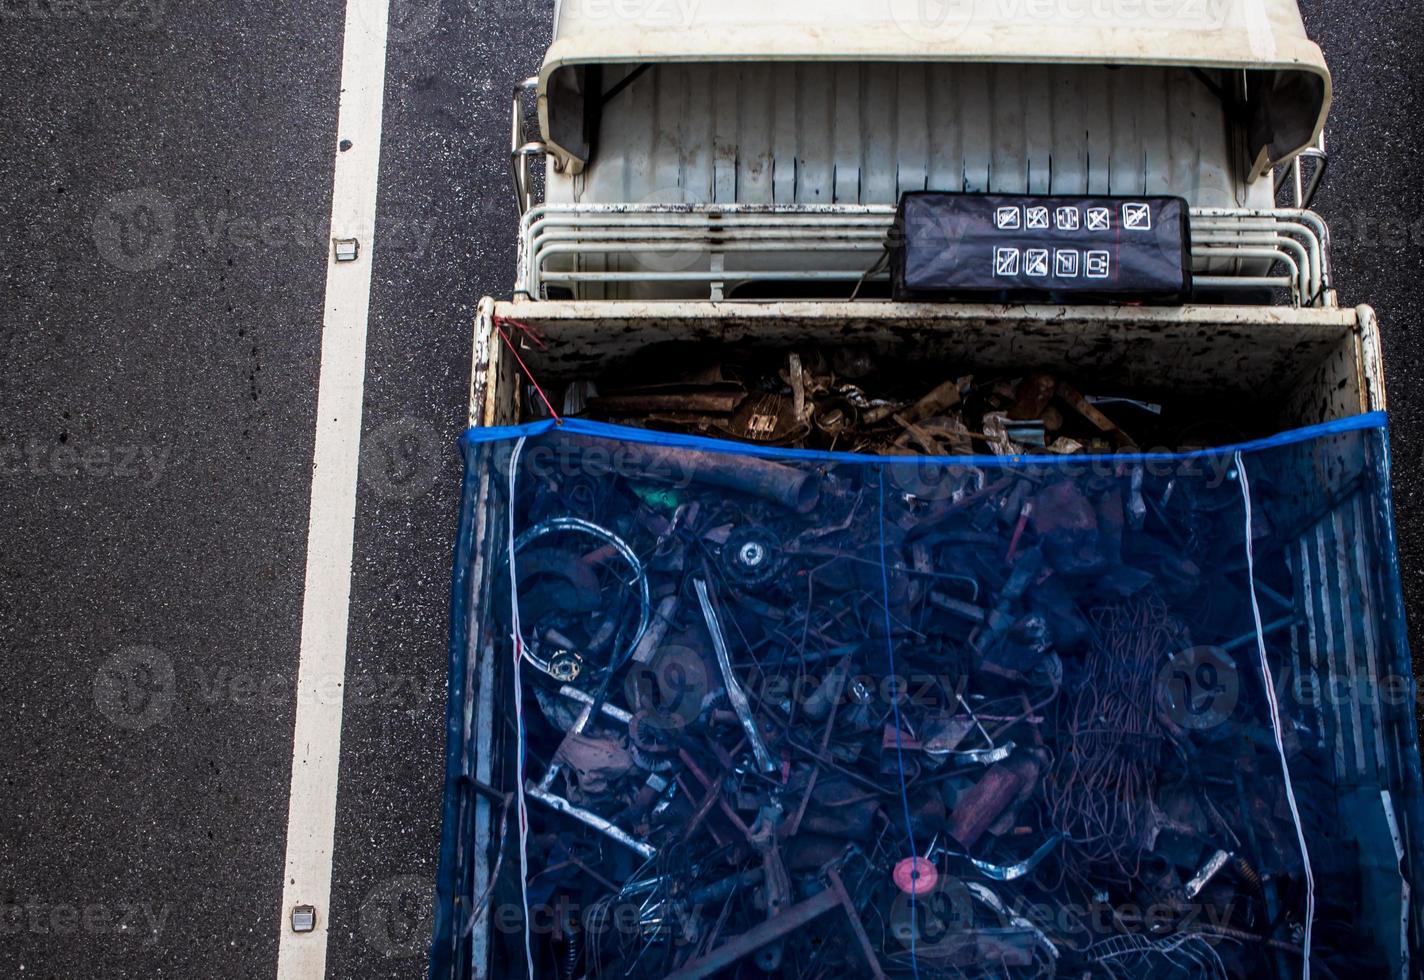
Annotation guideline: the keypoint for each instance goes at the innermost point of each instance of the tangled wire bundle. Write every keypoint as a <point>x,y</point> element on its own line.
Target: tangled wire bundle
<point>1103,778</point>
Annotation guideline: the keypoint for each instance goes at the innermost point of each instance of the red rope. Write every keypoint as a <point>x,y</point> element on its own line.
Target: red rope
<point>525,367</point>
<point>529,331</point>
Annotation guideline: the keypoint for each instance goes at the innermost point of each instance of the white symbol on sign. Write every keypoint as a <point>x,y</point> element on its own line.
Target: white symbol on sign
<point>1065,263</point>
<point>1036,262</point>
<point>1006,218</point>
<point>1137,217</point>
<point>1006,261</point>
<point>1067,219</point>
<point>1096,265</point>
<point>1037,218</point>
<point>1099,219</point>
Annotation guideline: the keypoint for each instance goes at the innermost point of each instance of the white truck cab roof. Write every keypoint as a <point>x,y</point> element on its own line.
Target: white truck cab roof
<point>1280,96</point>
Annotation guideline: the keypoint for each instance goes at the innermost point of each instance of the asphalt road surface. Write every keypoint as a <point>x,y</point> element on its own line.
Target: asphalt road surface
<point>167,178</point>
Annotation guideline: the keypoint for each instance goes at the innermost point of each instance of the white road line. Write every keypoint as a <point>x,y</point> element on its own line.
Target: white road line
<point>316,746</point>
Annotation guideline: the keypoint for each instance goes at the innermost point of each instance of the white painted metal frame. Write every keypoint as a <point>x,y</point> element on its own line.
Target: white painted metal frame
<point>685,247</point>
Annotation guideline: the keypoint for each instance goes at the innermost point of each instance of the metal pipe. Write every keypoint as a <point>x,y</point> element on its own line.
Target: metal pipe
<point>1306,236</point>
<point>1306,263</point>
<point>1249,252</point>
<point>521,150</point>
<point>798,489</point>
<point>1244,282</point>
<point>761,276</point>
<point>653,638</point>
<point>1208,871</point>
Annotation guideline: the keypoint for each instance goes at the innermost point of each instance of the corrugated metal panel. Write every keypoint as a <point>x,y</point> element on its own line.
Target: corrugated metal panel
<point>1364,605</point>
<point>1335,583</point>
<point>1318,640</point>
<point>865,133</point>
<point>1302,669</point>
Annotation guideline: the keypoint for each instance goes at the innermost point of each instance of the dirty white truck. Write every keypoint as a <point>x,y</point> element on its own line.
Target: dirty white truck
<point>730,172</point>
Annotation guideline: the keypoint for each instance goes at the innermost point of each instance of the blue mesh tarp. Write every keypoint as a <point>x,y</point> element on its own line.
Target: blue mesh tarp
<point>799,714</point>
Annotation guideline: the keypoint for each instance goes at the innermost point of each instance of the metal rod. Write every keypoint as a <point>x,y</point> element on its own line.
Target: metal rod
<point>603,826</point>
<point>740,947</point>
<point>856,926</point>
<point>584,698</point>
<point>735,694</point>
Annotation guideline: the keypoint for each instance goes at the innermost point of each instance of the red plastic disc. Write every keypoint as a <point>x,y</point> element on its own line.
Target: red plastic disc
<point>915,876</point>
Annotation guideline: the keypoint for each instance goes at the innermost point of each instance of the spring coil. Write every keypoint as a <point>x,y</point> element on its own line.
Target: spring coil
<point>1248,873</point>
<point>569,964</point>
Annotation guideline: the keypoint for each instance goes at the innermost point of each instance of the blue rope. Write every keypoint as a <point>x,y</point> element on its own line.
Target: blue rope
<point>1073,463</point>
<point>899,749</point>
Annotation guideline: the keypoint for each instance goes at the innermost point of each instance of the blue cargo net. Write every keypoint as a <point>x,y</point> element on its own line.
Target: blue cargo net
<point>719,710</point>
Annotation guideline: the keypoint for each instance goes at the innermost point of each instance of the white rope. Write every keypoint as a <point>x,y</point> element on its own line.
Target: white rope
<point>519,715</point>
<point>1276,718</point>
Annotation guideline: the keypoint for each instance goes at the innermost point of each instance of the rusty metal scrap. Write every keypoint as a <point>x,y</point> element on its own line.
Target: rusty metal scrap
<point>822,673</point>
<point>805,399</point>
<point>594,766</point>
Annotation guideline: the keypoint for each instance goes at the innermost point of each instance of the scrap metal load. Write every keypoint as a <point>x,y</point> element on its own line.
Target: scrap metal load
<point>799,714</point>
<point>849,400</point>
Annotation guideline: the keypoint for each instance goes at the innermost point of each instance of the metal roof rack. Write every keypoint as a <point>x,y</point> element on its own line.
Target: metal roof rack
<point>696,251</point>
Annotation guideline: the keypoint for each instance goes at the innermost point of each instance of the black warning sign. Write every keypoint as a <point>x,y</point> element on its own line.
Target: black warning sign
<point>1055,249</point>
